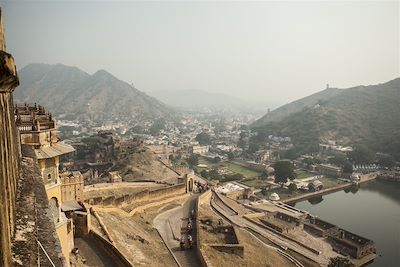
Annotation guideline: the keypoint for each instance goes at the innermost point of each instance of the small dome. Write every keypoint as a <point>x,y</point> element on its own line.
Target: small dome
<point>274,197</point>
<point>270,170</point>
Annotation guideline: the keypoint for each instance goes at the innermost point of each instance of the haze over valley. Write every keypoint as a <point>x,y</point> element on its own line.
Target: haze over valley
<point>141,133</point>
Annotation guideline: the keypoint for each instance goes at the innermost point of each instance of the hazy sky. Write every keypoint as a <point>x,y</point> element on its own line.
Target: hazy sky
<point>269,51</point>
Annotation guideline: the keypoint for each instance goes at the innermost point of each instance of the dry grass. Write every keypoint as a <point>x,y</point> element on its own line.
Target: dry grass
<point>144,165</point>
<point>255,254</point>
<point>137,239</point>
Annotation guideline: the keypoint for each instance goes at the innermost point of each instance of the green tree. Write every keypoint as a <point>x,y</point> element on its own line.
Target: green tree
<point>348,168</point>
<point>340,262</point>
<point>284,170</point>
<point>362,155</point>
<point>203,138</point>
<point>264,190</point>
<point>264,175</point>
<point>339,160</point>
<point>219,127</point>
<point>242,140</point>
<point>193,160</point>
<point>292,153</point>
<point>308,162</point>
<point>387,161</point>
<point>241,143</point>
<point>137,129</point>
<point>157,126</point>
<point>292,187</point>
<point>253,148</point>
<point>216,159</point>
<point>213,174</point>
<point>204,174</point>
<point>231,156</point>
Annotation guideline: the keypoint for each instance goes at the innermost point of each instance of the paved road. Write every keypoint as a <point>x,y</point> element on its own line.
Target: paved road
<point>172,224</point>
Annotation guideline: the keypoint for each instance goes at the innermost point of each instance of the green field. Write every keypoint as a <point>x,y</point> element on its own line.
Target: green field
<point>233,167</point>
<point>255,183</point>
<point>330,182</point>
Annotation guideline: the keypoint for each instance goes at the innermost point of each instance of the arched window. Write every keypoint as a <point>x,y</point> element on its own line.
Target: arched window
<point>49,176</point>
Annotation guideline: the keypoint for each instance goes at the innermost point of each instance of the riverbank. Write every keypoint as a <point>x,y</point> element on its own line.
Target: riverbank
<point>372,211</point>
<point>363,179</point>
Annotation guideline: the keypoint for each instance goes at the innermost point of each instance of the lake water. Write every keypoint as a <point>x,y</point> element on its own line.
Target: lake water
<point>372,211</point>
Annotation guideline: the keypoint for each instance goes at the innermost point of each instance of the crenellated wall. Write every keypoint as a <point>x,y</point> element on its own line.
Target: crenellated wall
<point>9,152</point>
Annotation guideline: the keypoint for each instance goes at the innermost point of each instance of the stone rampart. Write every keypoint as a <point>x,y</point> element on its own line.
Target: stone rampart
<point>143,196</point>
<point>118,258</point>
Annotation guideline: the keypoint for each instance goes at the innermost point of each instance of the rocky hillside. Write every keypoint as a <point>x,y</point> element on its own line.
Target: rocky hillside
<point>362,114</point>
<point>298,105</point>
<point>144,165</point>
<point>71,92</point>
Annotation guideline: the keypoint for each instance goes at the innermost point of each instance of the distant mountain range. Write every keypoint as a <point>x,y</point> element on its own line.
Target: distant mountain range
<point>72,93</point>
<point>364,114</point>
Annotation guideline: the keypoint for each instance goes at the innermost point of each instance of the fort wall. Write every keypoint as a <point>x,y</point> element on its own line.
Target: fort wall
<point>204,198</point>
<point>9,151</point>
<point>34,221</point>
<point>111,250</point>
<point>143,196</point>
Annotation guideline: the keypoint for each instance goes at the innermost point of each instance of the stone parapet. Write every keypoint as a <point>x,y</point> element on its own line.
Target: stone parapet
<point>143,196</point>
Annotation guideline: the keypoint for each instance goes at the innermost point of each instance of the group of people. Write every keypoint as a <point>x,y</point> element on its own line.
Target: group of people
<point>201,187</point>
<point>189,232</point>
<point>190,241</point>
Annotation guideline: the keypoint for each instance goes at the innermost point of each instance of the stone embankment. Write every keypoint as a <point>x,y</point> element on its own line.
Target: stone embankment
<point>393,176</point>
<point>363,179</point>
